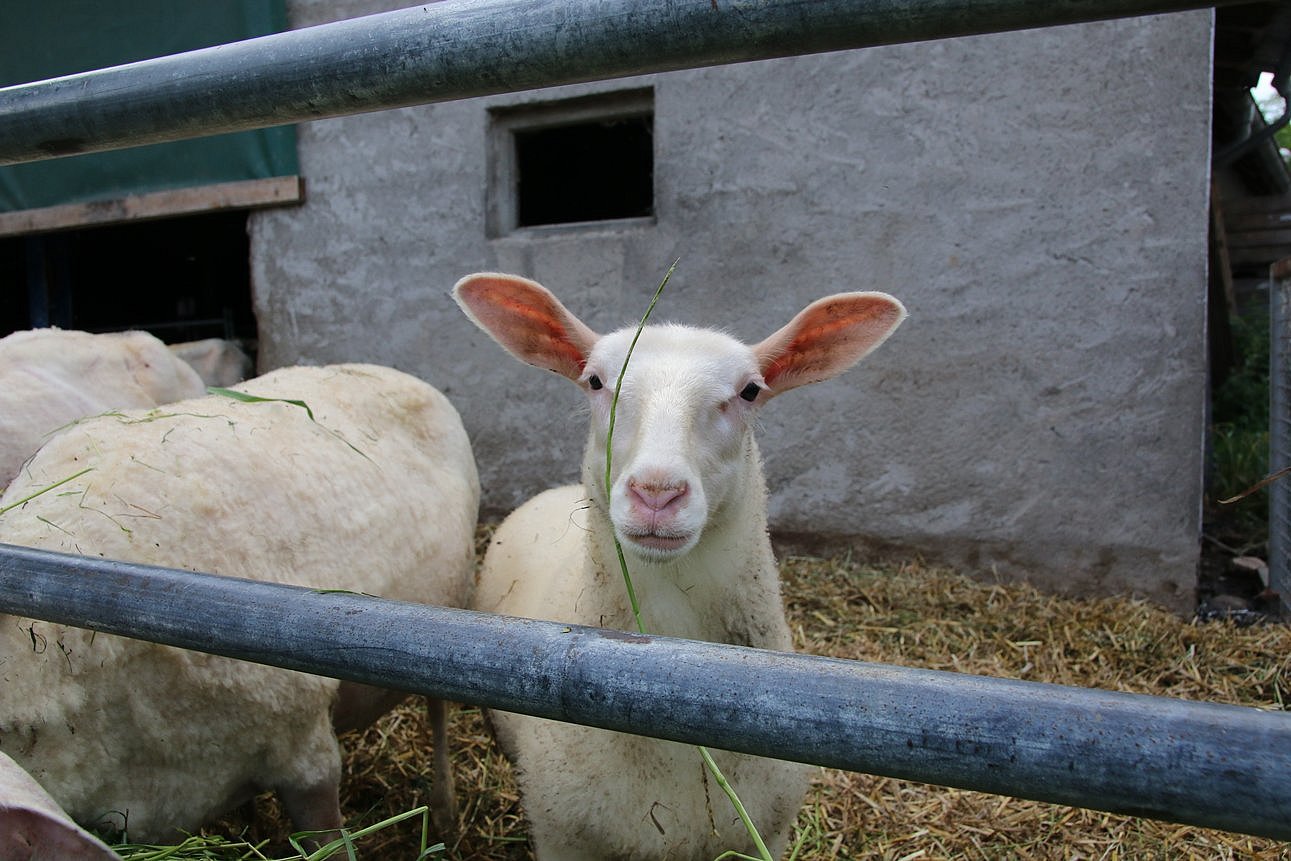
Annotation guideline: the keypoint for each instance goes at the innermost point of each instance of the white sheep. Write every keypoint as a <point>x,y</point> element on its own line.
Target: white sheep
<point>376,493</point>
<point>51,377</point>
<point>217,361</point>
<point>688,503</point>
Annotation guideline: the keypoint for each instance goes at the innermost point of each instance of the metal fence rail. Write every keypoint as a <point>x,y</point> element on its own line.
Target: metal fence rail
<point>463,48</point>
<point>1196,763</point>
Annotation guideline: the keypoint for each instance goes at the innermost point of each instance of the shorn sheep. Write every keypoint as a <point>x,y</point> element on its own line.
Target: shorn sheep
<point>688,503</point>
<point>50,377</point>
<point>370,486</point>
<point>217,361</point>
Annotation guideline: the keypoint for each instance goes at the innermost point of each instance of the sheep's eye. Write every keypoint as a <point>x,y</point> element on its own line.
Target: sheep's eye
<point>750,392</point>
<point>595,382</point>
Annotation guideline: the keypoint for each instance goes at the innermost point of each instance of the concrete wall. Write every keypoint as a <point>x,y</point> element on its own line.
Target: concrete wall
<point>1037,199</point>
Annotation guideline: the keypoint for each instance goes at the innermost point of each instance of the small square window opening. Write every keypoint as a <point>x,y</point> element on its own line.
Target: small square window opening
<point>589,159</point>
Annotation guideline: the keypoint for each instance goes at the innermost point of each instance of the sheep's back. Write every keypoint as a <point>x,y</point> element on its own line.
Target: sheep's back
<point>376,492</point>
<point>374,486</point>
<point>52,377</point>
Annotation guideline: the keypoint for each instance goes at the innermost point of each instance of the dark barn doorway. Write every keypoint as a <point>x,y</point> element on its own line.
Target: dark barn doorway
<point>181,279</point>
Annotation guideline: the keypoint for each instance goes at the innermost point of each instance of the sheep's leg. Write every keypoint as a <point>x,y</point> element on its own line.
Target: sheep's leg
<point>443,798</point>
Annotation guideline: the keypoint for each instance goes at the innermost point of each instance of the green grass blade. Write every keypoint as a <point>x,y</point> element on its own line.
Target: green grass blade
<point>763,853</point>
<point>32,496</point>
<point>347,839</point>
<point>255,399</point>
<point>609,438</point>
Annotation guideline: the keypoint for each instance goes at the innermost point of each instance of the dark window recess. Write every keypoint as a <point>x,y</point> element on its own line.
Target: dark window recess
<point>586,172</point>
<point>181,279</point>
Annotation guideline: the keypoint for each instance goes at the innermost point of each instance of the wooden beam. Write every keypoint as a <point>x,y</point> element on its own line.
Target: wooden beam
<point>1219,247</point>
<point>247,194</point>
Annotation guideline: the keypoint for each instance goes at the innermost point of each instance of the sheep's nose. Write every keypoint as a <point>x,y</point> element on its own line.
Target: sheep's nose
<point>657,496</point>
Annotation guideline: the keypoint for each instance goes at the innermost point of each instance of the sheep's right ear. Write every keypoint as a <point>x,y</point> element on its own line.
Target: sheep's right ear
<point>527,320</point>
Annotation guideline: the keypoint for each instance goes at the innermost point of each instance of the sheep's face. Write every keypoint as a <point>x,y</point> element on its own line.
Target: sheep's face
<point>681,432</point>
<point>682,442</point>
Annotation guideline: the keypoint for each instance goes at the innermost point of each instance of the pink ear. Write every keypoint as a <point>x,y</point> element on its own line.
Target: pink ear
<point>32,825</point>
<point>826,338</point>
<point>526,319</point>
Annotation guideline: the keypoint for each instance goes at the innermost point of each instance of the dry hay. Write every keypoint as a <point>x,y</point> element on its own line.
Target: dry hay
<point>910,615</point>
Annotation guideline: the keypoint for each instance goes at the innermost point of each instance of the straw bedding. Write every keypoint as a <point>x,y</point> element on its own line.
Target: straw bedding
<point>912,615</point>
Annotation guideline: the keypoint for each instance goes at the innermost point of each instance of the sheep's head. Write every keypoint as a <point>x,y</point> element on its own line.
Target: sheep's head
<point>683,421</point>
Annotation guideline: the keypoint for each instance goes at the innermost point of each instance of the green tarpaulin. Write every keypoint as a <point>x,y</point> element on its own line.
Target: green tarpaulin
<point>46,38</point>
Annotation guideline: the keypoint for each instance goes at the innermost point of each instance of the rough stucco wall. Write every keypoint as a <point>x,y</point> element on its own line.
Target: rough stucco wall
<point>1037,199</point>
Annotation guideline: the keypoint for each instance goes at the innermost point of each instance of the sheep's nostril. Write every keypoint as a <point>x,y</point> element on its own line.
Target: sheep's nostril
<point>657,497</point>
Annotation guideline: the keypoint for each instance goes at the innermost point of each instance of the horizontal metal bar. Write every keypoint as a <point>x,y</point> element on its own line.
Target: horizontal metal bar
<point>465,48</point>
<point>1197,763</point>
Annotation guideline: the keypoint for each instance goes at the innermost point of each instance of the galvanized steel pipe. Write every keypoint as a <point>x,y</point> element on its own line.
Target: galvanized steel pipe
<point>1202,764</point>
<point>464,48</point>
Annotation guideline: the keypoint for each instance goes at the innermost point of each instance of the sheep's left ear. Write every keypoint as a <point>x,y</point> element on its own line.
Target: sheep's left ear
<point>826,338</point>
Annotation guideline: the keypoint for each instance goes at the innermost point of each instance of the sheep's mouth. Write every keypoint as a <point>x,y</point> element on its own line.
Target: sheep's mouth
<point>657,544</point>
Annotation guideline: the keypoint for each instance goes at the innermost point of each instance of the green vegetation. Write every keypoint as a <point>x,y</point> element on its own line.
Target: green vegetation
<point>1283,138</point>
<point>1240,435</point>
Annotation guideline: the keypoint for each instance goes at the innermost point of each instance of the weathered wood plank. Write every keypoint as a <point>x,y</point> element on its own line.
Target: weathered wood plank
<point>246,194</point>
